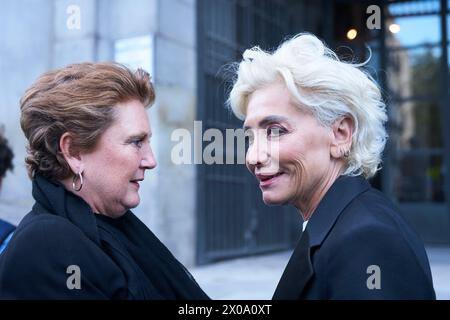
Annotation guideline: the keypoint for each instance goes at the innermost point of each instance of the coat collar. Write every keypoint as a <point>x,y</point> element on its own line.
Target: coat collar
<point>340,194</point>
<point>299,269</point>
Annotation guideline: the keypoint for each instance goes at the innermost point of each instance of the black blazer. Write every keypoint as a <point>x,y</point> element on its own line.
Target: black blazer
<point>357,246</point>
<point>116,258</point>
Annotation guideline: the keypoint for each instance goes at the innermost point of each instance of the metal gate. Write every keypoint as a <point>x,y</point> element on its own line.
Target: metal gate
<point>414,74</point>
<point>232,219</point>
<point>418,86</point>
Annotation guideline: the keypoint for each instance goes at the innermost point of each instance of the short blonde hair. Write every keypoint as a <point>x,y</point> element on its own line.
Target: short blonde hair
<point>324,85</point>
<point>79,99</point>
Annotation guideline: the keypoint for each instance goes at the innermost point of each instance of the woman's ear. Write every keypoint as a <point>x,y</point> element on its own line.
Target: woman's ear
<point>341,137</point>
<point>73,159</point>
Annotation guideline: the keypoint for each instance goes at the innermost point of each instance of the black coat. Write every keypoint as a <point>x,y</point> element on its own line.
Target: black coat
<point>116,258</point>
<point>354,231</point>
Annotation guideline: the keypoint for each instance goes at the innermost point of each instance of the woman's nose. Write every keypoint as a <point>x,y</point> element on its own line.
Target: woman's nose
<point>148,161</point>
<point>257,153</point>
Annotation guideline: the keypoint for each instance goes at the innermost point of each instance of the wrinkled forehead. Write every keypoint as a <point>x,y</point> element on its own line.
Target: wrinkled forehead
<point>272,103</point>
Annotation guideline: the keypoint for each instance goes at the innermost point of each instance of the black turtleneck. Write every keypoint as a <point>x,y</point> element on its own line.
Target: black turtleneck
<point>117,258</point>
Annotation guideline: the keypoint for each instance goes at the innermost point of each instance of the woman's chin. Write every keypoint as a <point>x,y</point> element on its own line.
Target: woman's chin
<point>133,202</point>
<point>273,200</point>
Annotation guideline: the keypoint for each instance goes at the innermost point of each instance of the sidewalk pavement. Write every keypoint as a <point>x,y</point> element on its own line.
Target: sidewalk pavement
<point>256,277</point>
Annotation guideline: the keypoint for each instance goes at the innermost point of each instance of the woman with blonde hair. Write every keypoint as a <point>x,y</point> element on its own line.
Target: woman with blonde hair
<point>316,127</point>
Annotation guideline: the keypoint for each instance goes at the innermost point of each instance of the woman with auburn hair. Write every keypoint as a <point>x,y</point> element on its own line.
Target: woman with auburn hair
<point>88,149</point>
<point>316,127</point>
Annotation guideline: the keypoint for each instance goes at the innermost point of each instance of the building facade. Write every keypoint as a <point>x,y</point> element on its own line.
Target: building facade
<point>204,212</point>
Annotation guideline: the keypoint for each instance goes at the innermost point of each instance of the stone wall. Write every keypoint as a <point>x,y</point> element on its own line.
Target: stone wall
<point>35,38</point>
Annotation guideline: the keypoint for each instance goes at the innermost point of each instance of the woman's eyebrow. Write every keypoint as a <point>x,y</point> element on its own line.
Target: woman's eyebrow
<point>267,120</point>
<point>142,135</point>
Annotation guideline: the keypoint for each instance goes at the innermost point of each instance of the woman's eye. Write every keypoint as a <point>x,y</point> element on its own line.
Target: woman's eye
<point>248,139</point>
<point>138,143</point>
<point>275,132</point>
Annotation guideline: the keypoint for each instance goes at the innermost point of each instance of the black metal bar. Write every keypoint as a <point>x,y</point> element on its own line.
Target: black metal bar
<point>416,46</point>
<point>328,24</point>
<point>445,100</point>
<point>425,98</point>
<point>200,198</point>
<point>386,174</point>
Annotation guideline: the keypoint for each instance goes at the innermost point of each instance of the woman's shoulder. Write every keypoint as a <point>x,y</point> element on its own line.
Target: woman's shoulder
<point>43,228</point>
<point>373,208</point>
<point>47,249</point>
<point>42,235</point>
<point>45,241</point>
<point>372,218</point>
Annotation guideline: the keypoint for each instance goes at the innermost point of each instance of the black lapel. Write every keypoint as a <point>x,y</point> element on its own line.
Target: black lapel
<point>299,269</point>
<point>297,273</point>
<point>337,198</point>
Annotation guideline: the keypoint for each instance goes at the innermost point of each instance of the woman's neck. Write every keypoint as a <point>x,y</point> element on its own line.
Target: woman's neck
<point>308,204</point>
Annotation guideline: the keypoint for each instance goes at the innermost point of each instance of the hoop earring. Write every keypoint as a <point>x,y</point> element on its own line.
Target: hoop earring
<point>74,180</point>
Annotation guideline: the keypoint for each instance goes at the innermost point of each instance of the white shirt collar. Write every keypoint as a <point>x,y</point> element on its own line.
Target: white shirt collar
<point>304,224</point>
